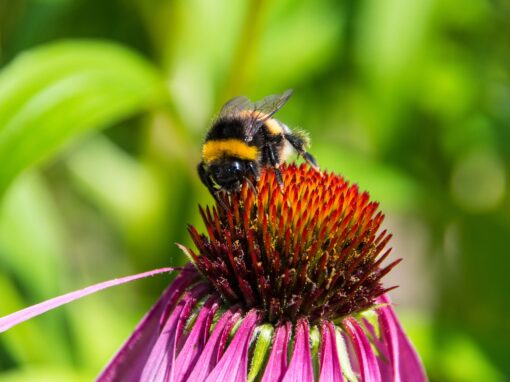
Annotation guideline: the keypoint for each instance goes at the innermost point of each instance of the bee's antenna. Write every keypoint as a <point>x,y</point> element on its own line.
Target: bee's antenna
<point>219,199</point>
<point>252,186</point>
<point>254,171</point>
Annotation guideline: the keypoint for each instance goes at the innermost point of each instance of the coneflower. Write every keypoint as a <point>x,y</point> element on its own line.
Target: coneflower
<point>285,285</point>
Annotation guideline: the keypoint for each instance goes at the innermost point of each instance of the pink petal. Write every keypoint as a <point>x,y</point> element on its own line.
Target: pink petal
<point>196,341</point>
<point>367,361</point>
<point>385,361</point>
<point>129,362</point>
<point>224,338</point>
<point>156,368</point>
<point>277,363</point>
<point>159,366</point>
<point>402,352</point>
<point>16,318</point>
<point>329,363</point>
<point>233,366</point>
<point>212,352</point>
<point>300,367</point>
<point>390,345</point>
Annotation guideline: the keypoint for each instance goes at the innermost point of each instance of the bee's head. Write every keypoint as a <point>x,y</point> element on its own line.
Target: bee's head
<point>228,175</point>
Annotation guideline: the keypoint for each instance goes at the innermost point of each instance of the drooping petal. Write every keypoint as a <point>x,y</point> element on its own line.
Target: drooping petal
<point>330,370</point>
<point>233,366</point>
<point>406,360</point>
<point>368,365</point>
<point>128,363</point>
<point>224,338</point>
<point>277,363</point>
<point>212,350</point>
<point>196,340</point>
<point>390,345</point>
<point>300,367</point>
<point>16,318</point>
<point>386,356</point>
<point>159,366</point>
<point>155,369</point>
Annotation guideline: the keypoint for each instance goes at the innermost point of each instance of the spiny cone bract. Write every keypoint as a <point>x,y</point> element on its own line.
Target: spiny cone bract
<point>310,249</point>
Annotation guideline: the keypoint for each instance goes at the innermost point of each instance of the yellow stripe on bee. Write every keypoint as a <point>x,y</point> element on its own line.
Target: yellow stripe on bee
<point>236,148</point>
<point>273,126</point>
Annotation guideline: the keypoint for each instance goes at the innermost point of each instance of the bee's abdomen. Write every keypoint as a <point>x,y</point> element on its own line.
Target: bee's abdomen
<point>234,148</point>
<point>274,127</point>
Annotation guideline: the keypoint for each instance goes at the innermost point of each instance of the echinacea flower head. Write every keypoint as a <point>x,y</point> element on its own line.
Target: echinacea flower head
<point>311,250</point>
<point>285,284</point>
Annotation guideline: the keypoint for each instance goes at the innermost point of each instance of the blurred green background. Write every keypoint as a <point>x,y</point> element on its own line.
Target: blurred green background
<point>103,106</point>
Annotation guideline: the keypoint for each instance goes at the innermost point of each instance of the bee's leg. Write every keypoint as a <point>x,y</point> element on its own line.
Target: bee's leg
<point>254,171</point>
<point>299,144</point>
<point>273,161</point>
<point>278,175</point>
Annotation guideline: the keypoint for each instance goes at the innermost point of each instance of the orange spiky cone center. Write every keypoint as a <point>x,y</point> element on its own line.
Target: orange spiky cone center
<point>311,249</point>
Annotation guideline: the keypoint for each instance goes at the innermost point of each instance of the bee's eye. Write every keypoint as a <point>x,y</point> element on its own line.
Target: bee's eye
<point>236,167</point>
<point>232,170</point>
<point>227,173</point>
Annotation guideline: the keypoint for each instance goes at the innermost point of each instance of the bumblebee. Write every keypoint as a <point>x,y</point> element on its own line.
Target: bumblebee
<point>246,138</point>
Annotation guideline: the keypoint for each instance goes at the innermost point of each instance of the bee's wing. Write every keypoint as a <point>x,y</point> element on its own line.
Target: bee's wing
<point>235,106</point>
<point>265,109</point>
<point>256,113</point>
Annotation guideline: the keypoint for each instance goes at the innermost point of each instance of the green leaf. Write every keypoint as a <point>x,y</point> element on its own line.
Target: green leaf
<point>43,373</point>
<point>133,198</point>
<point>32,262</point>
<point>282,60</point>
<point>28,211</point>
<point>58,91</point>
